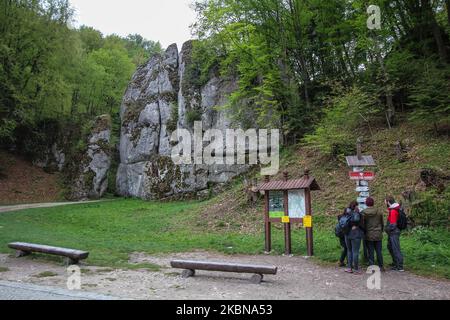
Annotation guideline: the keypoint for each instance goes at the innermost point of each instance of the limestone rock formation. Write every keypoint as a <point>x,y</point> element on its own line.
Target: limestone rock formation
<point>160,99</point>
<point>91,176</point>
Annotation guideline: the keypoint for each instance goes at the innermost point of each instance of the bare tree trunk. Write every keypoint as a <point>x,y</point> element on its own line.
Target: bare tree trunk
<point>390,108</point>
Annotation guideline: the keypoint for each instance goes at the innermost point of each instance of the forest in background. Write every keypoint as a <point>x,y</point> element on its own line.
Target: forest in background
<point>314,69</point>
<point>311,68</point>
<point>53,75</point>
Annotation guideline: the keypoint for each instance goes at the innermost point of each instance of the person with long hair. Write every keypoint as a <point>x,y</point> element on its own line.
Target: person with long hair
<point>353,238</point>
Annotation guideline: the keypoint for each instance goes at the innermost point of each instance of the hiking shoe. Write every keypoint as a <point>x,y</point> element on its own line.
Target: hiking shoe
<point>349,270</point>
<point>400,270</point>
<point>358,272</point>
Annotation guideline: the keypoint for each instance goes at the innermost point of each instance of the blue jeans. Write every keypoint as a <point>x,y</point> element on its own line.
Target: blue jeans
<point>353,247</point>
<point>375,246</point>
<point>394,248</point>
<point>344,249</point>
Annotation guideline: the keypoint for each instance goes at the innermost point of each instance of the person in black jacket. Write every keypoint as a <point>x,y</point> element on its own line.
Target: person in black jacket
<point>342,241</point>
<point>353,239</point>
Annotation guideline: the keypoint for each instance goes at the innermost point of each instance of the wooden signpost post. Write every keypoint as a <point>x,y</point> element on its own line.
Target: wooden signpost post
<point>289,202</point>
<point>359,173</point>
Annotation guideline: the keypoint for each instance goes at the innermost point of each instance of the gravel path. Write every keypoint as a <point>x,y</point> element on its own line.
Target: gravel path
<point>21,291</point>
<point>40,205</point>
<point>297,279</point>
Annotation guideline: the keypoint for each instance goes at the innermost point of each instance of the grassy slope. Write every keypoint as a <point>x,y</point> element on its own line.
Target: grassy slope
<point>427,251</point>
<point>113,230</point>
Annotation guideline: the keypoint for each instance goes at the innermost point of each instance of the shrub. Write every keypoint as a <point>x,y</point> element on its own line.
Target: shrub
<point>193,115</point>
<point>432,209</point>
<point>430,96</point>
<point>346,112</point>
<point>172,124</point>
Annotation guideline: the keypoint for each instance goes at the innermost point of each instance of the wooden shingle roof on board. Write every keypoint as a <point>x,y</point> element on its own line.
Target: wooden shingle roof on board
<point>296,184</point>
<point>365,161</point>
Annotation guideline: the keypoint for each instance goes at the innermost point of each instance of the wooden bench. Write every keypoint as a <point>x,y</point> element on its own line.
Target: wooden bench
<point>25,249</point>
<point>191,266</point>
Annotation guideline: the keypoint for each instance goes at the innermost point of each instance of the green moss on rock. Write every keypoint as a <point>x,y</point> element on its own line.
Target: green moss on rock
<point>163,176</point>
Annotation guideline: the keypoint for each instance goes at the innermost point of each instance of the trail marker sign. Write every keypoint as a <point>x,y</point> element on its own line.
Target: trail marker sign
<point>359,173</point>
<point>362,183</point>
<point>366,176</point>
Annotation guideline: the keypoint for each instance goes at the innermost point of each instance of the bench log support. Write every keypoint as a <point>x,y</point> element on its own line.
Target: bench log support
<point>188,273</point>
<point>69,261</point>
<point>257,278</point>
<point>20,253</point>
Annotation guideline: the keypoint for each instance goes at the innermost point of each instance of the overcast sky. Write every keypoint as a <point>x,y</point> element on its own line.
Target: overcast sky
<point>166,21</point>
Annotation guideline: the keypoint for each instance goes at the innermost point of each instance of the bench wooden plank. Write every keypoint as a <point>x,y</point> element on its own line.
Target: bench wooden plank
<point>31,247</point>
<point>224,267</point>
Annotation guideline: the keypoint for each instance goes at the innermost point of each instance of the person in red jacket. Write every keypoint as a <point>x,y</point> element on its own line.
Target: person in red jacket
<point>394,234</point>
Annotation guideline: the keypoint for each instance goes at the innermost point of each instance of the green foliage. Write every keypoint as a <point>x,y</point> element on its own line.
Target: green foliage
<point>91,39</point>
<point>193,115</point>
<point>432,209</point>
<point>46,274</point>
<point>347,112</point>
<point>287,56</point>
<point>174,117</point>
<point>430,95</point>
<point>50,71</point>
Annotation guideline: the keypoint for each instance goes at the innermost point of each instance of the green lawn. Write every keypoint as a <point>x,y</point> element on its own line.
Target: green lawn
<point>112,230</point>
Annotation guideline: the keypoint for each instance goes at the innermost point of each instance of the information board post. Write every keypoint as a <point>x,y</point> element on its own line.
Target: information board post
<point>287,226</point>
<point>268,224</point>
<point>309,226</point>
<point>286,220</point>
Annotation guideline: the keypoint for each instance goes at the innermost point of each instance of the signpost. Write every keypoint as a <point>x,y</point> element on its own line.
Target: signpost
<point>360,174</point>
<point>367,176</point>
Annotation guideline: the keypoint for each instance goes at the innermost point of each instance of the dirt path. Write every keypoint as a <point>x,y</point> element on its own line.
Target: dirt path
<point>298,278</point>
<point>40,205</point>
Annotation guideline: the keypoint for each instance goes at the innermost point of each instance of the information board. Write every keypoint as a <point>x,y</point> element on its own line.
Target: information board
<point>297,204</point>
<point>276,204</point>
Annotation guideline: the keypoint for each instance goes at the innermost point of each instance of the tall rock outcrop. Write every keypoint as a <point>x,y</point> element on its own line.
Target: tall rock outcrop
<point>161,98</point>
<point>90,176</point>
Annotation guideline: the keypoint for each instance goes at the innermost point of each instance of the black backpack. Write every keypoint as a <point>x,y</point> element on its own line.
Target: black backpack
<point>356,217</point>
<point>343,226</point>
<point>402,223</point>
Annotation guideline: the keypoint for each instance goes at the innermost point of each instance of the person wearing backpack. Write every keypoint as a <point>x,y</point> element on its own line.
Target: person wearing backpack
<point>353,238</point>
<point>340,233</point>
<point>394,223</point>
<point>374,224</point>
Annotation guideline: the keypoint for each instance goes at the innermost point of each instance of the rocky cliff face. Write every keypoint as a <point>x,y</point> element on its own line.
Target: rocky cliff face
<point>160,99</point>
<point>91,176</point>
